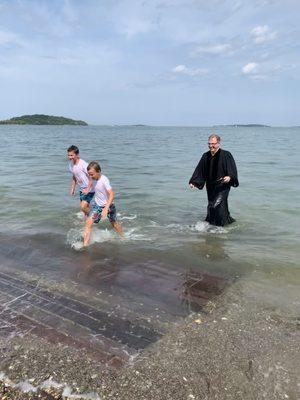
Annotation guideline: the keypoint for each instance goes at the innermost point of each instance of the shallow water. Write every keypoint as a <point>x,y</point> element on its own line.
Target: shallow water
<point>149,168</point>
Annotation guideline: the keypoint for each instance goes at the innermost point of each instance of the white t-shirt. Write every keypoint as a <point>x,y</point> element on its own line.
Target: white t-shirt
<point>101,187</point>
<point>80,173</point>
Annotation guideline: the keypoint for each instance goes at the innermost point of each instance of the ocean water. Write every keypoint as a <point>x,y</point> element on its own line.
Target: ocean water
<point>162,218</point>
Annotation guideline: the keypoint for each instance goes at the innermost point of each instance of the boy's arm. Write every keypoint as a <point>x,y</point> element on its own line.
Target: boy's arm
<point>90,185</point>
<point>73,186</point>
<point>111,196</point>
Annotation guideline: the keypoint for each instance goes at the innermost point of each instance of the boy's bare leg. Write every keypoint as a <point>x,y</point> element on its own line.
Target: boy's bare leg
<point>117,227</point>
<point>87,231</point>
<point>85,208</point>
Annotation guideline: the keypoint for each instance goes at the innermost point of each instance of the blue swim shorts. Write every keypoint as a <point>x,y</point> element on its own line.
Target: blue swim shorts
<point>96,211</point>
<point>86,197</point>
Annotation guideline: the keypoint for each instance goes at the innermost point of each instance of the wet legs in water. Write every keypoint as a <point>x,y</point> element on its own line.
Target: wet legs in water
<point>89,226</point>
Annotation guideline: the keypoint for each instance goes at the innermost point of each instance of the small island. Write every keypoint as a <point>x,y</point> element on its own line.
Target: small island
<point>245,126</point>
<point>251,126</point>
<point>41,119</point>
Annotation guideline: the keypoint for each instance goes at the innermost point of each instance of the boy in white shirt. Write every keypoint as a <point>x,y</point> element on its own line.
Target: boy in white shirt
<point>103,205</point>
<point>78,169</point>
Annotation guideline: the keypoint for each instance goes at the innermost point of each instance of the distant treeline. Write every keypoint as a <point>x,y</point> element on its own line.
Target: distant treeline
<point>41,119</point>
<point>247,126</point>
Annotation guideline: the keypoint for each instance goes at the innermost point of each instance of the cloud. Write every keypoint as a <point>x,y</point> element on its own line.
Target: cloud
<point>52,20</point>
<point>7,38</point>
<point>262,34</point>
<point>132,17</point>
<point>215,49</point>
<point>182,69</point>
<point>250,68</point>
<point>264,71</point>
<point>133,26</point>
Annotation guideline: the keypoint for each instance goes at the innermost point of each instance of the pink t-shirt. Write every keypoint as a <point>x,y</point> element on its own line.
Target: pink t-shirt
<point>101,187</point>
<point>80,173</point>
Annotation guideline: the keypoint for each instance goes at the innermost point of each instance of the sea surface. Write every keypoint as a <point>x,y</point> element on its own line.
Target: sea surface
<point>162,218</point>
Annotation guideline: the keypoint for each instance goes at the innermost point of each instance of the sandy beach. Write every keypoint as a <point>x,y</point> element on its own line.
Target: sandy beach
<point>236,349</point>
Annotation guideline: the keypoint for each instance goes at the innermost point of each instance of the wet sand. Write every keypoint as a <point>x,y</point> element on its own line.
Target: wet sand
<point>233,349</point>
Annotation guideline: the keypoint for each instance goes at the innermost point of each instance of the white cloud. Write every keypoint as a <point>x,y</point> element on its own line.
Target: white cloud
<point>250,68</point>
<point>216,49</point>
<point>133,26</point>
<point>133,17</point>
<point>7,37</point>
<point>264,71</point>
<point>179,68</point>
<point>182,69</point>
<point>45,19</point>
<point>262,34</point>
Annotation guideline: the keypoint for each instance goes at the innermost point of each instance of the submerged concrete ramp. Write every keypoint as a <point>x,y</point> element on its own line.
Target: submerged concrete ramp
<point>134,309</point>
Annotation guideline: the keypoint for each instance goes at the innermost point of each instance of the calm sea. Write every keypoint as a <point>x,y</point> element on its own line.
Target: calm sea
<point>149,169</point>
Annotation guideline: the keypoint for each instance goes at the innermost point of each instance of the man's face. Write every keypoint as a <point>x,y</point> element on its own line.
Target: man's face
<point>213,145</point>
<point>72,156</point>
<point>94,174</point>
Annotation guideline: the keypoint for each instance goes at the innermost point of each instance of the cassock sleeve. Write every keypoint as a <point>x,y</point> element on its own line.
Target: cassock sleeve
<point>231,170</point>
<point>198,177</point>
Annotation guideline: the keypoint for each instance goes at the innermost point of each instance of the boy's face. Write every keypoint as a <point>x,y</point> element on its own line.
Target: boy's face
<point>94,174</point>
<point>72,156</point>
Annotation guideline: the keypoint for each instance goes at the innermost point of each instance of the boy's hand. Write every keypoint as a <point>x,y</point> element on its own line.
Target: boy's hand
<point>104,213</point>
<point>72,191</point>
<point>85,191</point>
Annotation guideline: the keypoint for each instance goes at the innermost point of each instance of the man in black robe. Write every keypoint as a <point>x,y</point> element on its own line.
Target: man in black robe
<point>216,170</point>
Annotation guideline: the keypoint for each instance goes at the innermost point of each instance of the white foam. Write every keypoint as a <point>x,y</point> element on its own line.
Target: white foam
<point>126,217</point>
<point>153,223</point>
<point>102,235</point>
<point>203,226</point>
<point>89,396</point>
<point>77,246</point>
<point>25,387</point>
<point>74,238</point>
<point>131,234</point>
<point>4,378</point>
<point>178,227</point>
<point>80,216</point>
<point>49,383</point>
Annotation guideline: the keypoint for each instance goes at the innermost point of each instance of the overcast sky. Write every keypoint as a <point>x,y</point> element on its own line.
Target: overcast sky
<point>159,62</point>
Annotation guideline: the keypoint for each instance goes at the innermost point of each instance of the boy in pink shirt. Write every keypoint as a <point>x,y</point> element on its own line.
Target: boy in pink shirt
<point>103,206</point>
<point>78,169</point>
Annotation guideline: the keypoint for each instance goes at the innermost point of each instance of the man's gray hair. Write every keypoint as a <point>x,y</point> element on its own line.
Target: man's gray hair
<point>213,135</point>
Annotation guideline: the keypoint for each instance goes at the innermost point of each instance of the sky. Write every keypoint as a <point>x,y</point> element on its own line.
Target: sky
<point>155,62</point>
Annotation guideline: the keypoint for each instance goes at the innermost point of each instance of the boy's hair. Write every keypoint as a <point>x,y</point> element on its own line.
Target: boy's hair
<point>94,165</point>
<point>74,149</point>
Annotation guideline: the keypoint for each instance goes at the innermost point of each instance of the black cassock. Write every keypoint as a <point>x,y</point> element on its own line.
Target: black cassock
<point>210,171</point>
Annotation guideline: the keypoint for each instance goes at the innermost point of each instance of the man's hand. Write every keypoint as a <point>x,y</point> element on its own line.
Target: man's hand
<point>85,191</point>
<point>192,186</point>
<point>226,179</point>
<point>72,191</point>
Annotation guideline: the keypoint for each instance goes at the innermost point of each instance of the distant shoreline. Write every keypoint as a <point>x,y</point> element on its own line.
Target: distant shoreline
<point>69,121</point>
<point>42,119</point>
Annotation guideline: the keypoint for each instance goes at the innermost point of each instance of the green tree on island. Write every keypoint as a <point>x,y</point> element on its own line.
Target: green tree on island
<point>41,119</point>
